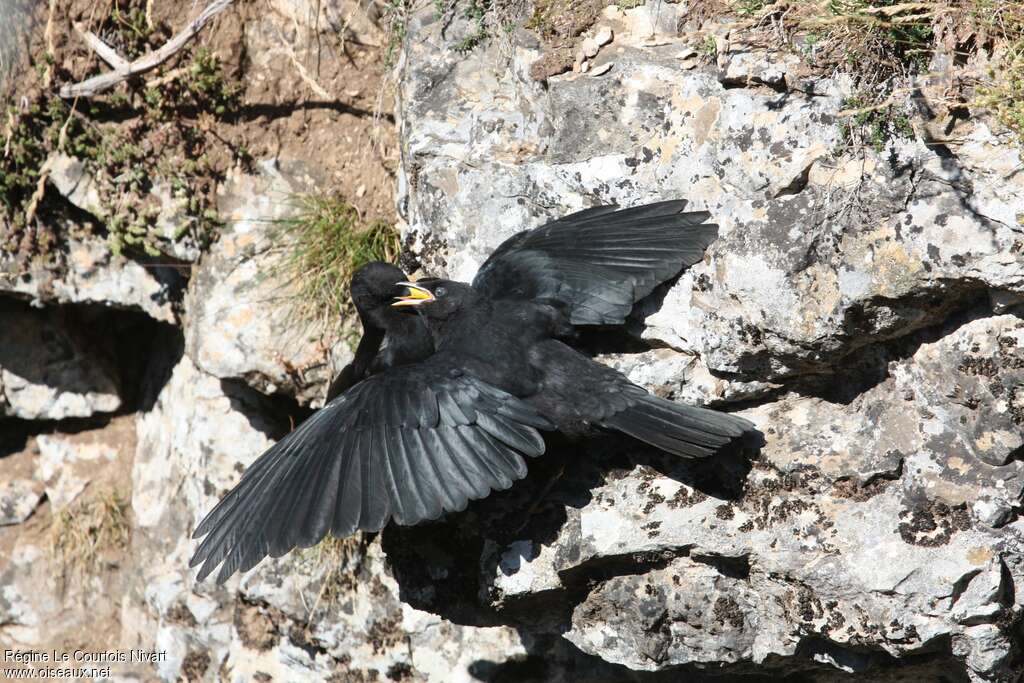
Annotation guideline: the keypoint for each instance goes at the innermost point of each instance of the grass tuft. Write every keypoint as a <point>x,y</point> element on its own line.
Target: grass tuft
<point>84,532</point>
<point>336,560</point>
<point>327,242</point>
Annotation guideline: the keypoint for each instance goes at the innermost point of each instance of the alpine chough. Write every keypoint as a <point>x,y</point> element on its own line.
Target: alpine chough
<point>423,437</point>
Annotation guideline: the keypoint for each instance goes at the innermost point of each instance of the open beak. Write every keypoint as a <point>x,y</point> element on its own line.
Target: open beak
<point>417,295</point>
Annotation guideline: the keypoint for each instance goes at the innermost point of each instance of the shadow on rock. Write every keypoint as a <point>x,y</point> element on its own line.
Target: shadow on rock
<point>443,567</point>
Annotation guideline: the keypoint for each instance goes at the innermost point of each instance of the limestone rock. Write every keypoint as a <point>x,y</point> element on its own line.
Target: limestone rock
<point>18,499</point>
<point>242,323</point>
<point>868,302</point>
<point>92,275</point>
<point>46,371</point>
<point>66,465</point>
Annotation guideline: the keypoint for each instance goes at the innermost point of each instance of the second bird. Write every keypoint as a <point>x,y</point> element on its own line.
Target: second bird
<point>449,418</point>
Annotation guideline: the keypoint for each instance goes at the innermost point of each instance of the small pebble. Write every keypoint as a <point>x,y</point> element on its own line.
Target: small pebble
<point>601,70</point>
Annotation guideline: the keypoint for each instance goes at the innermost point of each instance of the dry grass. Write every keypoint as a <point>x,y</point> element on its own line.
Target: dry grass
<point>82,534</point>
<point>874,40</point>
<point>336,560</point>
<point>1001,88</point>
<point>888,47</point>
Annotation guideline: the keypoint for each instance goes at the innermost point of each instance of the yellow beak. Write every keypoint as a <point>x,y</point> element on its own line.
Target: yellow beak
<point>417,295</point>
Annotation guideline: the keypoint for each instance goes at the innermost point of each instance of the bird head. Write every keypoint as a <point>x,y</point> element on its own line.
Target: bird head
<point>374,286</point>
<point>435,298</point>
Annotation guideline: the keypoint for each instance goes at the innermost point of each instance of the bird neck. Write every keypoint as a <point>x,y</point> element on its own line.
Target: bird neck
<point>369,345</point>
<point>462,327</point>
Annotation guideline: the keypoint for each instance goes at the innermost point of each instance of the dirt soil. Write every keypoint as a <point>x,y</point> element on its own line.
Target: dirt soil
<point>311,88</point>
<point>312,93</point>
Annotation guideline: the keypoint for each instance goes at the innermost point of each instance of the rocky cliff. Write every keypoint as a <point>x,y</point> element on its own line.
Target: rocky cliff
<point>862,305</point>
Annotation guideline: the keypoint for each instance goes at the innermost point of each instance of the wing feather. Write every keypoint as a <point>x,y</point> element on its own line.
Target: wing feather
<point>408,444</point>
<point>599,262</point>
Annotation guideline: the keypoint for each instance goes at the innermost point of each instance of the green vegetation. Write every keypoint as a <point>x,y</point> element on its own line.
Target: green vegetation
<point>476,11</point>
<point>873,125</point>
<point>44,127</point>
<point>202,86</point>
<point>147,147</point>
<point>485,16</point>
<point>709,47</point>
<point>1004,95</point>
<point>395,12</point>
<point>873,39</point>
<point>885,43</point>
<point>326,242</point>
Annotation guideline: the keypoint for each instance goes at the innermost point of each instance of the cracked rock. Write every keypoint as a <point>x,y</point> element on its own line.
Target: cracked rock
<point>91,274</point>
<point>242,324</point>
<point>47,371</point>
<point>18,499</point>
<point>864,305</point>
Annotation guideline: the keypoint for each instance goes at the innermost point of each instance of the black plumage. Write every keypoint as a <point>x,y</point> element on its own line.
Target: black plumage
<point>418,431</point>
<point>511,345</point>
<point>389,338</point>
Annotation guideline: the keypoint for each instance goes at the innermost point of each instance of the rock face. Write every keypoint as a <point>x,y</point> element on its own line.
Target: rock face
<point>863,307</point>
<point>18,498</point>
<point>92,275</point>
<point>863,300</point>
<point>242,323</point>
<point>45,370</point>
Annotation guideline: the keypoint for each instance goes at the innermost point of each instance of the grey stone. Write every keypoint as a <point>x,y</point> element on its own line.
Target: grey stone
<point>91,274</point>
<point>46,371</point>
<point>66,466</point>
<point>242,322</point>
<point>866,301</point>
<point>18,499</point>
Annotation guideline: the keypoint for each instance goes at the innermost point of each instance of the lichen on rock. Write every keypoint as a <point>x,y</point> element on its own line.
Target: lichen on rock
<point>862,305</point>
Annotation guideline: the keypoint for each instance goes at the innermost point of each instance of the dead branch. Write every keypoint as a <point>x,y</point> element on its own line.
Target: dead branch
<point>123,69</point>
<point>106,53</point>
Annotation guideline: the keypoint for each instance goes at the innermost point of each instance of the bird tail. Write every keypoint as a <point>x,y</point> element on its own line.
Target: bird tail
<point>680,429</point>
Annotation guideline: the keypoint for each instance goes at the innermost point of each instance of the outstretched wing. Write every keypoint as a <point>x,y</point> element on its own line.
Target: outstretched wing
<point>407,444</point>
<point>598,262</point>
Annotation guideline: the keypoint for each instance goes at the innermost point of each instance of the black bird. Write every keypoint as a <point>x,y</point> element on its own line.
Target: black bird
<point>426,437</point>
<point>389,337</point>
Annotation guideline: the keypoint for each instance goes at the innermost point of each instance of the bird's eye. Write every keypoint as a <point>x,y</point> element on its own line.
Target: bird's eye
<point>440,291</point>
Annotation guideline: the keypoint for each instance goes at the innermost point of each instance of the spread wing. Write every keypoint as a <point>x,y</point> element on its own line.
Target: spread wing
<point>598,262</point>
<point>407,444</point>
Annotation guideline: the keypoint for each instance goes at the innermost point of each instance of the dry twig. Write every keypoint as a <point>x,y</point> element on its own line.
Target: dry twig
<point>124,70</point>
